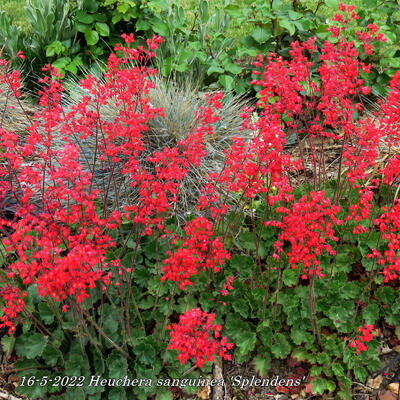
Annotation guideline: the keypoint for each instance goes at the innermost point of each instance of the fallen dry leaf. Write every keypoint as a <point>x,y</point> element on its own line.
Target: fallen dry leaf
<point>397,348</point>
<point>393,387</point>
<point>387,395</point>
<point>204,393</point>
<point>385,349</point>
<point>375,383</point>
<point>14,378</point>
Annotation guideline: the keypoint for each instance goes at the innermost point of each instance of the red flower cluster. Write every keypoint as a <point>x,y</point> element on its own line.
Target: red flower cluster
<point>227,286</point>
<point>391,171</point>
<point>199,251</point>
<point>195,337</point>
<point>13,297</point>
<point>389,226</point>
<point>365,337</point>
<point>57,234</point>
<point>307,225</point>
<point>389,123</point>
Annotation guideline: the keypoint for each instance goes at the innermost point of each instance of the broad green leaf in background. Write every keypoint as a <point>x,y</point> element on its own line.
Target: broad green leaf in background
<point>91,36</point>
<point>102,28</point>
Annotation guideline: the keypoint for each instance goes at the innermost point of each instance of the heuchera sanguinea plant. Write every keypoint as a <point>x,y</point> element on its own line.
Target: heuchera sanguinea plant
<point>61,244</point>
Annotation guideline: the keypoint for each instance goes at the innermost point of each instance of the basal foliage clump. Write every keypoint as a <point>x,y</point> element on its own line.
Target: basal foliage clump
<point>270,264</point>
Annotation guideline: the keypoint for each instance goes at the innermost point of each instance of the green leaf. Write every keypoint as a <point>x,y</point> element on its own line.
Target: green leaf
<point>30,345</point>
<point>300,353</point>
<point>50,355</point>
<point>117,364</point>
<point>80,27</point>
<point>265,335</point>
<point>240,305</point>
<point>77,60</point>
<point>333,4</point>
<point>289,276</point>
<point>98,361</point>
<point>122,7</point>
<point>183,56</point>
<point>247,51</point>
<point>242,264</point>
<point>331,386</point>
<point>195,46</point>
<point>300,336</point>
<point>117,393</point>
<point>164,394</point>
<point>247,240</point>
<point>91,36</point>
<point>110,321</point>
<point>142,275</point>
<point>77,363</point>
<point>340,315</point>
<point>351,290</point>
<point>84,18</point>
<point>338,369</point>
<point>246,342</point>
<point>205,302</point>
<point>215,68</point>
<point>369,3</point>
<point>145,353</point>
<point>161,29</point>
<point>53,48</point>
<point>163,4</point>
<point>102,29</point>
<point>344,395</point>
<point>100,17</point>
<point>303,25</point>
<point>146,303</point>
<point>90,5</point>
<point>142,25</point>
<point>61,63</point>
<point>261,35</point>
<point>294,15</point>
<point>323,359</point>
<point>46,313</point>
<point>360,373</point>
<point>235,11</point>
<point>116,18</point>
<point>282,347</point>
<point>233,68</point>
<point>262,364</point>
<point>7,343</point>
<point>319,385</point>
<point>371,313</point>
<point>288,25</point>
<point>241,358</point>
<point>204,11</point>
<point>388,295</point>
<point>226,81</point>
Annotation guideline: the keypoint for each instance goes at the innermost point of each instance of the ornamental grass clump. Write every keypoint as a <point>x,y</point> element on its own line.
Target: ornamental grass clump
<point>180,103</point>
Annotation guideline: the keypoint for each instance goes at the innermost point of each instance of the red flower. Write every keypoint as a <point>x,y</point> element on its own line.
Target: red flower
<point>196,337</point>
<point>199,251</point>
<point>365,337</point>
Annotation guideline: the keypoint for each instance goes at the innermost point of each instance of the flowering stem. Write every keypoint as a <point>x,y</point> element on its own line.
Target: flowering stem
<point>267,289</point>
<point>191,369</point>
<point>100,330</point>
<point>169,310</point>
<point>313,316</point>
<point>277,288</point>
